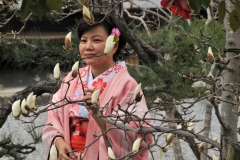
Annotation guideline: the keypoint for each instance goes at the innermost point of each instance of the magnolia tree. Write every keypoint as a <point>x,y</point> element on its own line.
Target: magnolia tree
<point>223,76</point>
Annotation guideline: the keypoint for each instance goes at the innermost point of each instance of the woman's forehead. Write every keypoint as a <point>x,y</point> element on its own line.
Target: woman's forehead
<point>96,31</point>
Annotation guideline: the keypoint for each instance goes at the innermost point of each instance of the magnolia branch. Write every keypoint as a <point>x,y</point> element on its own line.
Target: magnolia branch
<point>154,129</point>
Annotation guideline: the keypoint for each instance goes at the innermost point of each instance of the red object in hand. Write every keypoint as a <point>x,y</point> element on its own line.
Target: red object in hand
<point>178,7</point>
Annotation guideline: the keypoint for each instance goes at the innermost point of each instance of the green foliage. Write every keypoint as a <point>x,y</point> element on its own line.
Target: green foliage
<point>39,7</point>
<point>186,55</point>
<point>11,153</point>
<point>234,19</point>
<point>41,57</point>
<point>221,11</point>
<point>196,5</point>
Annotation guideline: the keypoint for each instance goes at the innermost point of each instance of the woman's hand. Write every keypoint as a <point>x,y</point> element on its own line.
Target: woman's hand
<point>63,150</point>
<point>88,98</point>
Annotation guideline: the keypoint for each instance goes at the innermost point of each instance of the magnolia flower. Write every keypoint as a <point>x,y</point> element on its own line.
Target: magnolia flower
<point>157,100</point>
<point>191,75</point>
<point>95,95</point>
<point>201,147</point>
<point>34,98</point>
<point>108,48</point>
<point>109,44</point>
<point>206,92</point>
<point>165,148</point>
<point>87,16</point>
<point>190,126</point>
<point>210,145</point>
<point>86,12</point>
<point>214,157</point>
<point>56,72</point>
<point>136,145</point>
<point>137,97</point>
<point>24,111</point>
<point>210,57</point>
<point>53,153</point>
<point>111,153</point>
<point>68,42</point>
<point>179,126</point>
<point>30,102</point>
<point>169,138</point>
<point>16,109</point>
<point>75,69</point>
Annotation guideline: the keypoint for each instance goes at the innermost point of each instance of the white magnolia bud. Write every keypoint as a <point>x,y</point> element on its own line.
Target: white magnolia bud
<point>206,92</point>
<point>75,66</point>
<point>95,95</point>
<point>179,126</point>
<point>137,96</point>
<point>210,145</point>
<point>210,57</point>
<point>25,112</point>
<point>214,157</point>
<point>75,69</point>
<point>30,102</point>
<point>136,145</point>
<point>111,153</point>
<point>238,109</point>
<point>53,153</point>
<point>201,147</point>
<point>34,98</point>
<point>157,100</point>
<point>190,126</point>
<point>56,72</point>
<point>110,39</point>
<point>108,47</point>
<point>165,149</point>
<point>68,41</point>
<point>86,12</point>
<point>169,138</point>
<point>16,109</point>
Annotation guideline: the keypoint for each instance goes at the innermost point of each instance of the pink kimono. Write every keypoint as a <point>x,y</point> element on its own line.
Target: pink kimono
<point>121,89</point>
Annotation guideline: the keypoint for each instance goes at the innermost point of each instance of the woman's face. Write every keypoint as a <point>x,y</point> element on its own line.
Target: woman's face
<point>92,43</point>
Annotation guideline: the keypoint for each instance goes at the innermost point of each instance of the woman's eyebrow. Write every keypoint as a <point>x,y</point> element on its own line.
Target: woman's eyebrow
<point>97,36</point>
<point>93,36</point>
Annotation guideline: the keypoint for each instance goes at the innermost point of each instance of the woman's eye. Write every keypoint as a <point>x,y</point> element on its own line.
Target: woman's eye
<point>97,40</point>
<point>82,40</point>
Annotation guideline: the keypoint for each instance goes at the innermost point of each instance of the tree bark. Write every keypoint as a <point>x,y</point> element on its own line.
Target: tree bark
<point>233,151</point>
<point>175,143</point>
<point>207,126</point>
<point>232,75</point>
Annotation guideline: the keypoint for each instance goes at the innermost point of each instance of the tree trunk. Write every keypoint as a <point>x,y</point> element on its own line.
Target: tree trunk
<point>232,75</point>
<point>233,151</point>
<point>207,125</point>
<point>175,143</point>
<point>107,6</point>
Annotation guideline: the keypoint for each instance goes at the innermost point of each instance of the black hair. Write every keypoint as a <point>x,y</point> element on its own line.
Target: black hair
<point>108,24</point>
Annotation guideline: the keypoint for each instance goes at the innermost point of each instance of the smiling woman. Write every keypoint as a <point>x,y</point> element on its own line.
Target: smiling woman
<point>78,131</point>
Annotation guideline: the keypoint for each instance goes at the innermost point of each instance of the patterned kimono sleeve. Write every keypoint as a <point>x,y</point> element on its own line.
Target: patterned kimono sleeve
<point>52,132</point>
<point>122,141</point>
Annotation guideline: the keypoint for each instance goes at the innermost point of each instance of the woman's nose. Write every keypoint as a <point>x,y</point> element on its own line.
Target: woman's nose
<point>89,45</point>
